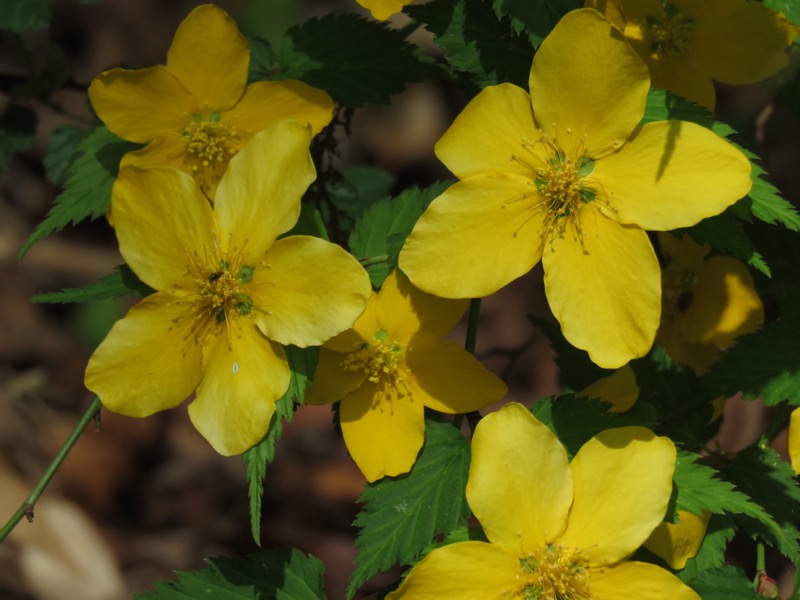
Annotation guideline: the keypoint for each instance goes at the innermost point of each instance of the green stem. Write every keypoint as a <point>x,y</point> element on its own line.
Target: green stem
<point>469,343</point>
<point>27,506</point>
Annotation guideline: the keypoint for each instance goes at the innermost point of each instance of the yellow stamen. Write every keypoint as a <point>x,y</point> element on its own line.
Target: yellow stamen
<point>671,32</point>
<point>380,361</point>
<point>210,144</point>
<point>557,573</point>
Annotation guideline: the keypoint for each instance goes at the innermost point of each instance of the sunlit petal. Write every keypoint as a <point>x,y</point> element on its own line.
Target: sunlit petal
<point>642,581</point>
<point>676,543</point>
<point>267,102</point>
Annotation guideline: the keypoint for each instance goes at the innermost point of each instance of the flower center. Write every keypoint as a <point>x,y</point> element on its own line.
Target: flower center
<point>676,291</point>
<point>210,144</point>
<point>671,32</point>
<point>558,573</point>
<point>378,360</point>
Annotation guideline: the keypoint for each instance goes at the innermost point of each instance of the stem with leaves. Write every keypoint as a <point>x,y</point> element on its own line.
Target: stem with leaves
<point>469,343</point>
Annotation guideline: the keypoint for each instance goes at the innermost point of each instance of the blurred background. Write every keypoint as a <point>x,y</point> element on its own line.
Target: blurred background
<point>139,499</point>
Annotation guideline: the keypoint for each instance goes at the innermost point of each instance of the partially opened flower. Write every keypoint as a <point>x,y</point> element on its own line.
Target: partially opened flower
<point>707,302</point>
<point>391,366</point>
<point>197,111</point>
<point>556,529</point>
<point>688,43</point>
<point>229,292</point>
<point>567,175</point>
<point>383,9</point>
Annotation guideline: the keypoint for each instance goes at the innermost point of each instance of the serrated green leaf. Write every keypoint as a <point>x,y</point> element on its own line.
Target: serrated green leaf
<point>761,365</point>
<point>263,62</point>
<point>379,234</point>
<point>402,515</point>
<point>711,554</point>
<point>354,59</point>
<point>476,43</point>
<point>576,420</point>
<point>274,574</point>
<point>769,481</point>
<point>664,106</point>
<point>724,583</point>
<point>19,16</point>
<point>789,8</point>
<point>302,362</point>
<point>767,204</point>
<point>17,132</point>
<point>360,187</point>
<point>88,187</point>
<point>122,282</point>
<point>60,149</point>
<point>535,17</point>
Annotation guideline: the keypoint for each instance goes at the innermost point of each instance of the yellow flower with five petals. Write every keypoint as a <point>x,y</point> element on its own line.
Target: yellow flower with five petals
<point>230,293</point>
<point>567,175</point>
<point>556,529</point>
<point>391,366</point>
<point>197,111</point>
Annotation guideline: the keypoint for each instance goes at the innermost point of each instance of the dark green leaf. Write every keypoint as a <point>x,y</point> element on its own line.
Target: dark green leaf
<point>122,282</point>
<point>309,223</point>
<point>476,42</point>
<point>536,17</point>
<point>767,203</point>
<point>711,555</point>
<point>402,515</point>
<point>17,133</point>
<point>379,234</point>
<point>60,150</point>
<point>273,574</point>
<point>263,63</point>
<point>88,187</point>
<point>724,583</point>
<point>354,59</point>
<point>359,188</point>
<point>21,15</point>
<point>302,362</point>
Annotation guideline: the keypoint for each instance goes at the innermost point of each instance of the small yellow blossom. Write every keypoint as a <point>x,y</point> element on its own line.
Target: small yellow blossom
<point>707,302</point>
<point>229,293</point>
<point>383,9</point>
<point>392,365</point>
<point>567,175</point>
<point>677,542</point>
<point>197,111</point>
<point>688,43</point>
<point>556,529</point>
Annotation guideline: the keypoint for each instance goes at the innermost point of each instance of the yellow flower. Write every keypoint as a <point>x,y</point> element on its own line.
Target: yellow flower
<point>229,292</point>
<point>391,366</point>
<point>196,112</point>
<point>383,9</point>
<point>556,529</point>
<point>567,176</point>
<point>677,542</point>
<point>688,43</point>
<point>707,302</point>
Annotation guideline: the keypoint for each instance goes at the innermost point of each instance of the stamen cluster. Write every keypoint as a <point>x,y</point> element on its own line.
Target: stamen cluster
<point>558,573</point>
<point>671,33</point>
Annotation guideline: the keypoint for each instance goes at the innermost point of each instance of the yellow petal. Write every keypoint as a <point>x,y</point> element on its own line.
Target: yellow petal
<point>331,381</point>
<point>699,357</point>
<point>244,374</point>
<point>587,85</point>
<point>676,543</point>
<point>169,150</point>
<point>794,439</point>
<point>161,220</point>
<point>623,481</point>
<point>259,196</point>
<point>683,252</point>
<point>383,9</point>
<point>363,330</point>
<point>619,389</point>
<point>463,571</point>
<point>680,77</point>
<point>490,130</point>
<point>642,581</point>
<point>479,235</point>
<point>382,434</point>
<point>267,102</point>
<point>738,42</point>
<point>724,303</point>
<point>449,379</point>
<point>145,364</point>
<point>143,104</point>
<point>311,290</point>
<point>210,57</point>
<point>610,9</point>
<point>520,485</point>
<point>606,292</point>
<point>672,174</point>
<point>403,310</point>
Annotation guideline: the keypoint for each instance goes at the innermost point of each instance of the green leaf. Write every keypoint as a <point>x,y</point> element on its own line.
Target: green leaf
<point>724,583</point>
<point>263,62</point>
<point>402,515</point>
<point>379,234</point>
<point>536,17</point>
<point>665,106</point>
<point>711,554</point>
<point>770,482</point>
<point>309,222</point>
<point>475,42</point>
<point>354,59</point>
<point>21,15</point>
<point>17,133</point>
<point>360,187</point>
<point>790,8</point>
<point>302,362</point>
<point>60,150</point>
<point>274,574</point>
<point>88,187</point>
<point>122,282</point>
<point>767,204</point>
